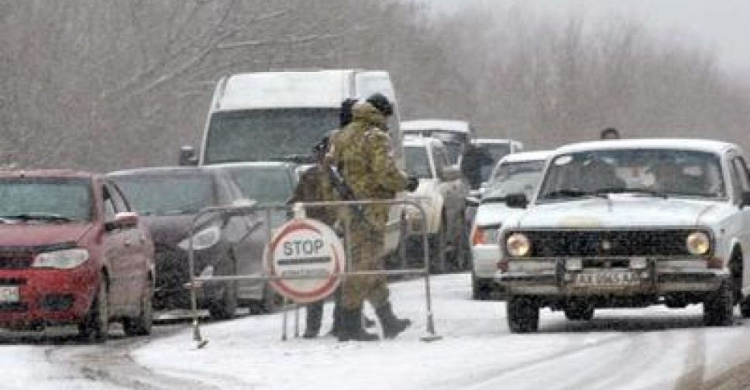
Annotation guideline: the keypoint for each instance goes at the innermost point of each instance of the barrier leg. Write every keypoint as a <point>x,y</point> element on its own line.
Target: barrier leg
<point>284,321</point>
<point>296,321</point>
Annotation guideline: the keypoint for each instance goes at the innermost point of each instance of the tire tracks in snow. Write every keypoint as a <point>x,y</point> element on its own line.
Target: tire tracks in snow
<point>111,364</point>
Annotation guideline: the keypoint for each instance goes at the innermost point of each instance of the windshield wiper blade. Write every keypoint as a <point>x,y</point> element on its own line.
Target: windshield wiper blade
<point>572,193</point>
<point>621,190</point>
<point>494,199</point>
<point>37,217</point>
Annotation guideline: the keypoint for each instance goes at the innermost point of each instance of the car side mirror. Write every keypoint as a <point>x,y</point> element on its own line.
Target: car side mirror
<point>745,199</point>
<point>450,173</point>
<point>188,156</point>
<point>516,201</point>
<point>125,220</point>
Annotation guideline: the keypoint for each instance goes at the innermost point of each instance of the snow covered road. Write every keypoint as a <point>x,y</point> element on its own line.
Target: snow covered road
<point>650,348</point>
<point>654,348</point>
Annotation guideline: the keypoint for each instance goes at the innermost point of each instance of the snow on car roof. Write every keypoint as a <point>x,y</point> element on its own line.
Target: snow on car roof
<point>480,141</point>
<point>703,145</point>
<point>436,124</point>
<point>309,89</point>
<point>411,140</point>
<point>527,156</point>
<point>252,164</point>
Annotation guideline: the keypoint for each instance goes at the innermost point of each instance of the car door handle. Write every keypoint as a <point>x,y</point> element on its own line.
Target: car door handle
<point>127,243</point>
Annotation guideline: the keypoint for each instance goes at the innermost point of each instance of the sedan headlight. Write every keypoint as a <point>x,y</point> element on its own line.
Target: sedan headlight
<point>204,239</point>
<point>518,245</point>
<point>486,235</point>
<point>62,259</point>
<point>698,243</point>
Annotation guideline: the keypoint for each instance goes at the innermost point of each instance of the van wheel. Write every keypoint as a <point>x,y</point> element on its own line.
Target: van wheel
<point>95,325</point>
<point>523,314</point>
<point>141,325</point>
<point>718,306</point>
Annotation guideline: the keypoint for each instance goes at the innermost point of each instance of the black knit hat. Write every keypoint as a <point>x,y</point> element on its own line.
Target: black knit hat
<point>381,103</point>
<point>345,116</point>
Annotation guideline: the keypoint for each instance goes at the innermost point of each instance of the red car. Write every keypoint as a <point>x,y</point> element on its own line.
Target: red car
<point>72,252</point>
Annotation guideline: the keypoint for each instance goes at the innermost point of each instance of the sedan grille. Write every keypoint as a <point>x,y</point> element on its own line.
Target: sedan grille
<point>608,243</point>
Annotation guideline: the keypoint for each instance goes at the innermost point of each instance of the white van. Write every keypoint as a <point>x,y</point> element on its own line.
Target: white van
<point>280,116</point>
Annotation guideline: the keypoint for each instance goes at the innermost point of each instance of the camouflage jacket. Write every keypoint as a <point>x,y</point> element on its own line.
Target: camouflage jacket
<point>362,153</point>
<point>315,186</point>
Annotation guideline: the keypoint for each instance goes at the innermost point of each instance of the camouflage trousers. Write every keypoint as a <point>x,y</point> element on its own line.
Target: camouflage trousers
<point>366,247</point>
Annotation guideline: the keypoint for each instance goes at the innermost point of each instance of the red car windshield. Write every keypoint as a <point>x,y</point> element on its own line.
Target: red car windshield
<point>45,199</point>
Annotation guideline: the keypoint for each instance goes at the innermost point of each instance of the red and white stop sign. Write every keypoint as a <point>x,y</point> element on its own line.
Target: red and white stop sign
<point>308,257</point>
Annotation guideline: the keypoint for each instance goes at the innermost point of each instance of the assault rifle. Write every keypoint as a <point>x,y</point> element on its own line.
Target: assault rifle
<point>345,192</point>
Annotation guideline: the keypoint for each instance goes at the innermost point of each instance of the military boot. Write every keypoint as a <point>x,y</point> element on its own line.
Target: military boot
<point>351,327</point>
<point>392,325</point>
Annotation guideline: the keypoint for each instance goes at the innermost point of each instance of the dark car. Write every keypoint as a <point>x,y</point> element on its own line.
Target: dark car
<point>169,199</point>
<point>72,252</point>
<point>268,183</point>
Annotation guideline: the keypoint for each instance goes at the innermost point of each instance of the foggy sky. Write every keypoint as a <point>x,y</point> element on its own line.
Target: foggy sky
<point>721,26</point>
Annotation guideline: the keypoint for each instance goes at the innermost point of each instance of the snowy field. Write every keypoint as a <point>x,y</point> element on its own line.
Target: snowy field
<point>654,348</point>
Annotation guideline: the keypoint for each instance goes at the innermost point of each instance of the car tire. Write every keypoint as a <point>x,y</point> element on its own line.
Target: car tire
<point>438,247</point>
<point>579,311</point>
<point>480,289</point>
<point>226,308</point>
<point>718,306</point>
<point>523,314</point>
<point>95,325</point>
<point>142,324</point>
<point>745,307</point>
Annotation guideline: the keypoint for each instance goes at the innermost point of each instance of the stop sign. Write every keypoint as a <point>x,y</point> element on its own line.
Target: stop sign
<point>308,257</point>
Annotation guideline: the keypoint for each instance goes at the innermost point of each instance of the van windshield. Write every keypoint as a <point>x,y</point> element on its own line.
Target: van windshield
<point>270,134</point>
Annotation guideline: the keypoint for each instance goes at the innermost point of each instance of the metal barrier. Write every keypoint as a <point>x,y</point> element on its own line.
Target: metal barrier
<point>197,281</point>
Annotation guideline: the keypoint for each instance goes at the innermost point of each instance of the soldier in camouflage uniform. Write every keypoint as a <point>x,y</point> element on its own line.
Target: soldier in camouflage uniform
<point>361,152</point>
<point>315,186</point>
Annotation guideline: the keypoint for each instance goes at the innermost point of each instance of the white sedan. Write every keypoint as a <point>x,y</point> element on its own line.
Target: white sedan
<point>631,223</point>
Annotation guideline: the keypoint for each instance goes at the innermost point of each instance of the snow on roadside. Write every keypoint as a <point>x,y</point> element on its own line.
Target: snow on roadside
<point>477,350</point>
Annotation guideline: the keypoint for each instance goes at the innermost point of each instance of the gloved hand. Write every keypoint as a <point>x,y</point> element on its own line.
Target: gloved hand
<point>411,184</point>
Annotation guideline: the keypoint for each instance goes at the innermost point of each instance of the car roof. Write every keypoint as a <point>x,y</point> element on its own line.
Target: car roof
<point>536,155</point>
<point>436,124</point>
<point>702,145</point>
<point>63,173</point>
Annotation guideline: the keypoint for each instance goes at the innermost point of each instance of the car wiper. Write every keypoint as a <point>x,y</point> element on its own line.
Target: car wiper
<point>620,190</point>
<point>295,158</point>
<point>572,193</point>
<point>495,199</point>
<point>38,217</point>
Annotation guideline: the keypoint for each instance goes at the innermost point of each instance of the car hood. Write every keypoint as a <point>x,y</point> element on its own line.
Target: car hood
<point>619,211</point>
<point>494,213</point>
<point>40,234</point>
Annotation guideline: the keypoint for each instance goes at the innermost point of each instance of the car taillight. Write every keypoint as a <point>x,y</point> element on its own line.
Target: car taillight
<point>486,235</point>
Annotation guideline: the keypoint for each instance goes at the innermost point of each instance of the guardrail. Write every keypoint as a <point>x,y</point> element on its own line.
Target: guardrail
<point>197,281</point>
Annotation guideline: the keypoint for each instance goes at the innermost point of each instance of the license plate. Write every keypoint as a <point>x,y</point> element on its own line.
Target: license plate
<point>607,279</point>
<point>9,294</point>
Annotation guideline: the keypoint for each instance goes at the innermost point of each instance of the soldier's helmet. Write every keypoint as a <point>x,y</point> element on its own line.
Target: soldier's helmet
<point>381,103</point>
